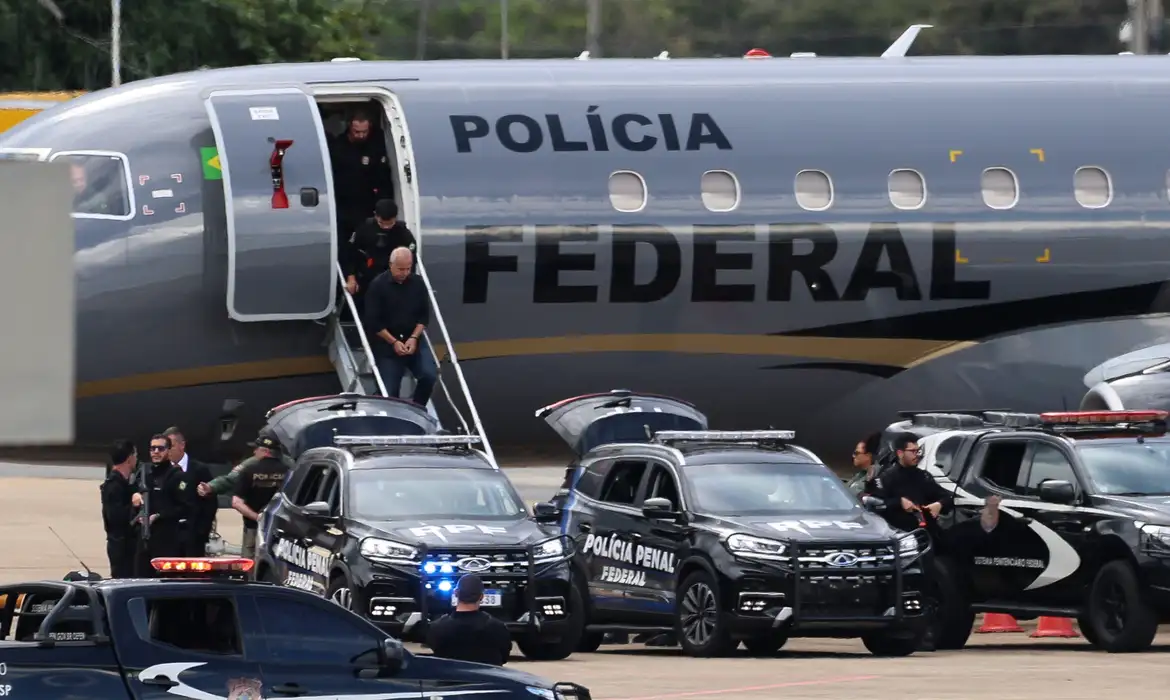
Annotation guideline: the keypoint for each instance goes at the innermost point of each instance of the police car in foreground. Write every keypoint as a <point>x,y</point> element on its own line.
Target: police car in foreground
<point>385,525</point>
<point>721,537</point>
<point>151,639</point>
<point>1084,528</point>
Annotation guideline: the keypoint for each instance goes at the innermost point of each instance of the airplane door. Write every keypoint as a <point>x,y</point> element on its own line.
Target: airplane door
<point>278,185</point>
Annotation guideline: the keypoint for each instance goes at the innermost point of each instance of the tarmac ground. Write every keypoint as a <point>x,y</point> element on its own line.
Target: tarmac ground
<point>36,498</point>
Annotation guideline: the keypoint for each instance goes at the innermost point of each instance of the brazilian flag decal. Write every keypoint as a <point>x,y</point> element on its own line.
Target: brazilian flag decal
<point>211,168</point>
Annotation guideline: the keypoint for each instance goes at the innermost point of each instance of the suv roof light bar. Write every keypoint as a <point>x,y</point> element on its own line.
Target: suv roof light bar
<point>977,412</point>
<point>1105,422</point>
<point>236,567</point>
<point>391,440</point>
<point>1012,419</point>
<point>667,436</point>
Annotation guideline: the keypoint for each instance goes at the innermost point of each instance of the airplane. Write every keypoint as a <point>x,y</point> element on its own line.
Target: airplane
<point>804,242</point>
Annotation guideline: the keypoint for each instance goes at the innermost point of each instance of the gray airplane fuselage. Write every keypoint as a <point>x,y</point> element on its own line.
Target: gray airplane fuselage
<point>824,321</point>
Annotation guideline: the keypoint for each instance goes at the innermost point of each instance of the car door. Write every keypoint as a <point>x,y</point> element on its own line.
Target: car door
<point>608,539</point>
<point>326,536</point>
<point>1065,530</point>
<point>660,545</point>
<point>186,643</point>
<point>290,540</point>
<point>315,648</point>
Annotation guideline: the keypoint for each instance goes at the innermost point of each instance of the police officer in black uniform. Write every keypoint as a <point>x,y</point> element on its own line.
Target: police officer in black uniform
<point>258,482</point>
<point>468,633</point>
<point>361,173</point>
<point>161,534</point>
<point>371,245</point>
<point>118,510</point>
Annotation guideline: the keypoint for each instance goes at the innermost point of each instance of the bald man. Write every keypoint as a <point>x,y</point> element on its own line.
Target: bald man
<point>397,312</point>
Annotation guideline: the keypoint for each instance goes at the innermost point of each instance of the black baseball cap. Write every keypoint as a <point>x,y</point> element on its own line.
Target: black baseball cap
<point>266,438</point>
<point>469,589</point>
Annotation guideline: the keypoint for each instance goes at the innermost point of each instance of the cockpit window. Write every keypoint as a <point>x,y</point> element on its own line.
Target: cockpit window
<point>419,494</point>
<point>763,488</point>
<point>1128,468</point>
<point>101,184</point>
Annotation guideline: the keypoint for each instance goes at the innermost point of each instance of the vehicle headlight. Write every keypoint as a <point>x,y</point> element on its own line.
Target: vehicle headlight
<point>908,545</point>
<point>547,551</point>
<point>377,549</point>
<point>1158,533</point>
<point>756,547</point>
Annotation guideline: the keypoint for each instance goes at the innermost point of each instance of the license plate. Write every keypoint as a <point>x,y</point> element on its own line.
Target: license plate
<point>491,599</point>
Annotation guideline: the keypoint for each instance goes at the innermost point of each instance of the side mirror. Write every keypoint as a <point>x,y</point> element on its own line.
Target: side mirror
<point>658,509</point>
<point>318,510</point>
<point>873,505</point>
<point>391,655</point>
<point>1056,491</point>
<point>546,512</point>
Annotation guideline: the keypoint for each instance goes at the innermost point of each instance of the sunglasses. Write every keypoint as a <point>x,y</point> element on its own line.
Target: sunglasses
<point>858,453</point>
<point>158,448</point>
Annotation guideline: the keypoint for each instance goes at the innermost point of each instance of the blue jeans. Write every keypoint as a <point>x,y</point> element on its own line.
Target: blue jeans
<point>421,365</point>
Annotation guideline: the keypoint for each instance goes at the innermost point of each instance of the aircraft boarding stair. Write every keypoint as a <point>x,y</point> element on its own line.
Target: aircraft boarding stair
<point>353,358</point>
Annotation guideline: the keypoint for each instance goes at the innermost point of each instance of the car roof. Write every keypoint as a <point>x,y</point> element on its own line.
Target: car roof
<point>716,453</point>
<point>416,457</point>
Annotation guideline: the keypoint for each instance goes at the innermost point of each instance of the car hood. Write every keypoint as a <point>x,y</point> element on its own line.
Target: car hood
<point>467,532</point>
<point>850,526</point>
<point>1152,508</point>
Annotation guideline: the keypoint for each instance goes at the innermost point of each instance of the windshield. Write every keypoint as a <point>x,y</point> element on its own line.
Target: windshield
<point>419,494</point>
<point>766,489</point>
<point>1128,468</point>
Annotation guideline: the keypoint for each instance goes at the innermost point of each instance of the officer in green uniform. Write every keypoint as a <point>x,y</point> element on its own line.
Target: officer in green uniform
<point>256,484</point>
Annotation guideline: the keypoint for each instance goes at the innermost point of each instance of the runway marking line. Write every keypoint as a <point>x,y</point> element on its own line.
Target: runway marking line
<point>754,688</point>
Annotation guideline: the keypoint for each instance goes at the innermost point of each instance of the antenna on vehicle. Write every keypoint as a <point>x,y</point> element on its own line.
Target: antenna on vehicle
<point>649,433</point>
<point>902,44</point>
<point>65,544</point>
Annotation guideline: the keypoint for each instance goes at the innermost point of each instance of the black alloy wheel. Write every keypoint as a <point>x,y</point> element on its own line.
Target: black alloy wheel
<point>1120,620</point>
<point>699,624</point>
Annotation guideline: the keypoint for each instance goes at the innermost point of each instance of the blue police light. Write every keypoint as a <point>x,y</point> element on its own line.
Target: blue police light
<point>445,586</point>
<point>430,567</point>
<point>447,569</point>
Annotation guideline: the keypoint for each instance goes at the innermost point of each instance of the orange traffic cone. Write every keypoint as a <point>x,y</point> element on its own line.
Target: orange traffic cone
<point>1055,627</point>
<point>998,622</point>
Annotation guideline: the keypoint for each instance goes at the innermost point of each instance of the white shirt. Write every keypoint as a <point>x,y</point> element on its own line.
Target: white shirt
<point>183,463</point>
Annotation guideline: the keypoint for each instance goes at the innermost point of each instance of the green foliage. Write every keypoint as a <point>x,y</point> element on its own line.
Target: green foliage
<point>176,35</point>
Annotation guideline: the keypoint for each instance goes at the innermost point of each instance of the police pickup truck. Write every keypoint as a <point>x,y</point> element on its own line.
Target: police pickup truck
<point>1084,526</point>
<point>219,637</point>
<point>721,537</point>
<point>384,524</point>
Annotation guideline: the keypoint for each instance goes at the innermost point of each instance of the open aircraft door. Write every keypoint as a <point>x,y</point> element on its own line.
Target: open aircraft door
<point>588,421</point>
<point>278,183</point>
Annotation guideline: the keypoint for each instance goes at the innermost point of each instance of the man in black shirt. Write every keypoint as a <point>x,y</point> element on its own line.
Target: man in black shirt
<point>118,511</point>
<point>397,313</point>
<point>470,634</point>
<point>913,498</point>
<point>371,245</point>
<point>162,534</point>
<point>361,173</point>
<point>259,481</point>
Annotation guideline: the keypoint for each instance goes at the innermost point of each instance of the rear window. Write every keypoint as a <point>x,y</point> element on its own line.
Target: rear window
<point>767,488</point>
<point>1128,468</point>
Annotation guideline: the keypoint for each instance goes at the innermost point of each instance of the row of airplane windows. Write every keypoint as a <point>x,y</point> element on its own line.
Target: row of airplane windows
<point>1092,187</point>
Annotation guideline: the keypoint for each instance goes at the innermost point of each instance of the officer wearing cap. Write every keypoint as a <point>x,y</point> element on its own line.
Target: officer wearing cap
<point>468,633</point>
<point>258,482</point>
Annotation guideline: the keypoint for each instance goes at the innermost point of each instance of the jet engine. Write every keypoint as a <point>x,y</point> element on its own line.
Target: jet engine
<point>1135,380</point>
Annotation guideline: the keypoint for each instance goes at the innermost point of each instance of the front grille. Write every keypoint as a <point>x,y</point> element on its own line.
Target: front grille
<point>846,558</point>
<point>830,596</point>
<point>503,562</point>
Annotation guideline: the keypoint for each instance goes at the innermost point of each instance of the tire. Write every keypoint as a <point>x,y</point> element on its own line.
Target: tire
<point>1120,619</point>
<point>1087,630</point>
<point>340,591</point>
<point>765,645</point>
<point>538,648</point>
<point>952,619</point>
<point>590,642</point>
<point>894,642</point>
<point>699,622</point>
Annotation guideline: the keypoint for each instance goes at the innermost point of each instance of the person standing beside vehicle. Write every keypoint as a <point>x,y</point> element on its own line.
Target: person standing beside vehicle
<point>200,519</point>
<point>257,483</point>
<point>118,510</point>
<point>468,633</point>
<point>866,481</point>
<point>159,526</point>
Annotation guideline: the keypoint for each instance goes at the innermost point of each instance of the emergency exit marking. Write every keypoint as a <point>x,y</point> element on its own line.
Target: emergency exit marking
<point>1038,152</point>
<point>177,177</point>
<point>182,208</point>
<point>1046,257</point>
<point>143,179</point>
<point>264,114</point>
<point>147,211</point>
<point>959,258</point>
<point>955,155</point>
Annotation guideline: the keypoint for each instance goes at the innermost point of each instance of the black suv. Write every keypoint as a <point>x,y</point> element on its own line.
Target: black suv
<point>385,524</point>
<point>721,537</point>
<point>1084,529</point>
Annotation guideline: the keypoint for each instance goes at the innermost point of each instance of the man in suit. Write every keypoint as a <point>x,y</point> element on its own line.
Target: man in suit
<point>201,518</point>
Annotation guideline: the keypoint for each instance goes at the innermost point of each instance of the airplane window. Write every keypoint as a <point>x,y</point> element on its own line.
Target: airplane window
<point>720,190</point>
<point>1093,187</point>
<point>627,191</point>
<point>1001,189</point>
<point>907,189</point>
<point>814,190</point>
<point>101,184</point>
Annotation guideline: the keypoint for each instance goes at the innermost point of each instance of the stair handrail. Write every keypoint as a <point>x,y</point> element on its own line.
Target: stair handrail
<point>443,385</point>
<point>487,447</point>
<point>361,332</point>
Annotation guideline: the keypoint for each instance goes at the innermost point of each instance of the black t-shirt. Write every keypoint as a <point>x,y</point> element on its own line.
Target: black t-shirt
<point>258,483</point>
<point>471,635</point>
<point>396,307</point>
<point>371,245</point>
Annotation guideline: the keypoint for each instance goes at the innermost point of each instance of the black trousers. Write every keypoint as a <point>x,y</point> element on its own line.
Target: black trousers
<point>121,553</point>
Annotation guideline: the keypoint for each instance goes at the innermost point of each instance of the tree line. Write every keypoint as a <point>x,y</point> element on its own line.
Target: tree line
<point>65,44</point>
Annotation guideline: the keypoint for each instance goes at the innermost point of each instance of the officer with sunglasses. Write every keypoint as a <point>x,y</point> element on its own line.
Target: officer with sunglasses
<point>163,505</point>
